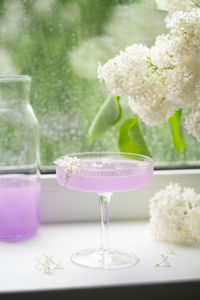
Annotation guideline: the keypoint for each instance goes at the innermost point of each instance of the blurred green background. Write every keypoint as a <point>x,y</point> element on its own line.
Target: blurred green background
<point>59,43</point>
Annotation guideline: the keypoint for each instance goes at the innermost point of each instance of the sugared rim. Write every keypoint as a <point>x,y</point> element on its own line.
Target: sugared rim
<point>10,78</point>
<point>147,159</point>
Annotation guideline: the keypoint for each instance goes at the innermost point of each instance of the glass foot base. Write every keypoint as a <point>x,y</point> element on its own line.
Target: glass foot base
<point>97,259</point>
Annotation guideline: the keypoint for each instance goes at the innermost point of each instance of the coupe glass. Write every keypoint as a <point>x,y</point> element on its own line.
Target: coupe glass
<point>104,173</point>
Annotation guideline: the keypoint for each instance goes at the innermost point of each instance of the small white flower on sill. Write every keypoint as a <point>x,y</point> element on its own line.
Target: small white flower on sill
<point>164,262</point>
<point>47,264</point>
<point>170,250</point>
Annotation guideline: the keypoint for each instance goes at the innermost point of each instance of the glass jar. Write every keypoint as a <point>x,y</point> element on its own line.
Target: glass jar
<point>19,158</point>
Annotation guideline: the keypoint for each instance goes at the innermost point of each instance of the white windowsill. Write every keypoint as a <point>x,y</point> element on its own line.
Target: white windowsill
<point>62,205</point>
<point>17,271</point>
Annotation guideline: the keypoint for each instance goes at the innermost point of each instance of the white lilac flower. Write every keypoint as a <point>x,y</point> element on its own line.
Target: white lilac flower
<point>179,84</point>
<point>192,123</point>
<point>133,73</point>
<point>71,164</point>
<point>185,34</point>
<point>47,264</point>
<point>152,114</point>
<point>137,73</point>
<point>163,78</point>
<point>164,262</point>
<point>155,83</point>
<point>173,87</point>
<point>175,215</point>
<point>173,5</point>
<point>125,73</point>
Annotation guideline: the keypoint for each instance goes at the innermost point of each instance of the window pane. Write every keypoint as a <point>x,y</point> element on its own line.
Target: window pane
<point>59,43</point>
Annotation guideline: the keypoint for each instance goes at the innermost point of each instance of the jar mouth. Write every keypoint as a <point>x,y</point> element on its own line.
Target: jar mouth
<point>14,78</point>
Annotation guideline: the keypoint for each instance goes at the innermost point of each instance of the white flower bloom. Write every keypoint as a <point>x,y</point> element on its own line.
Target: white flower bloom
<point>172,88</point>
<point>164,262</point>
<point>175,215</point>
<point>47,264</point>
<point>152,114</point>
<point>185,34</point>
<point>192,123</point>
<point>179,84</point>
<point>125,73</point>
<point>152,78</point>
<point>173,5</point>
<point>163,78</point>
<point>71,164</point>
<point>134,73</point>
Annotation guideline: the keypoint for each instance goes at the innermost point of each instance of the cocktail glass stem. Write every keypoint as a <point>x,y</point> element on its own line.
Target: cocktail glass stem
<point>104,202</point>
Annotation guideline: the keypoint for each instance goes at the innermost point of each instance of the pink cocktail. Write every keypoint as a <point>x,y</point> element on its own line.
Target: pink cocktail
<point>104,173</point>
<point>100,175</point>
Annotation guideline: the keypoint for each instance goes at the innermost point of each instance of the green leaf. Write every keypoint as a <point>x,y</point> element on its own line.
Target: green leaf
<point>174,122</point>
<point>196,4</point>
<point>131,139</point>
<point>108,115</point>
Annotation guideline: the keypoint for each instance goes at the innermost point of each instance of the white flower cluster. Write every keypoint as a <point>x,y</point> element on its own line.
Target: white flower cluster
<point>173,5</point>
<point>175,215</point>
<point>155,84</point>
<point>165,77</point>
<point>120,71</point>
<point>71,164</point>
<point>132,73</point>
<point>192,123</point>
<point>185,34</point>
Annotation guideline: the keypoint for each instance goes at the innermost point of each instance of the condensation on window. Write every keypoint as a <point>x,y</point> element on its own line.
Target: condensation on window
<point>60,43</point>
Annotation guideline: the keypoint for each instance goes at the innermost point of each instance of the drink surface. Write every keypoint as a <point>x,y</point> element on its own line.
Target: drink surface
<point>105,174</point>
<point>19,207</point>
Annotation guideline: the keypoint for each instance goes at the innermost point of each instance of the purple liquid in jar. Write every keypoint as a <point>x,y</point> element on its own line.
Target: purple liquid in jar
<point>19,207</point>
